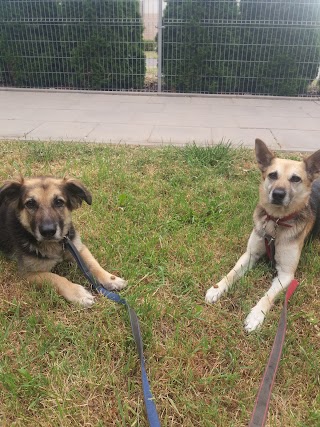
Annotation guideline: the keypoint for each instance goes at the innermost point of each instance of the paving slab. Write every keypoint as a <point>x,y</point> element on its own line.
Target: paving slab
<point>102,116</point>
<point>244,137</point>
<point>52,114</point>
<point>181,135</point>
<point>278,111</point>
<point>116,133</point>
<point>297,140</point>
<point>61,131</point>
<point>17,129</point>
<point>149,119</point>
<point>265,122</point>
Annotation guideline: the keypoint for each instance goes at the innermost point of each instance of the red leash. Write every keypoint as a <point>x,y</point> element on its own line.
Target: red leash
<point>260,410</point>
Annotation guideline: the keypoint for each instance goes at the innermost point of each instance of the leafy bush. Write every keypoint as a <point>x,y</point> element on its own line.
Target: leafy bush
<point>194,50</point>
<point>281,52</point>
<point>150,45</point>
<point>252,46</point>
<point>87,44</point>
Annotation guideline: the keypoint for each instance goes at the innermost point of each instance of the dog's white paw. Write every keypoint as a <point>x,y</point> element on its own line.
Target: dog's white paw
<point>213,294</point>
<point>113,283</point>
<point>254,319</point>
<point>81,296</point>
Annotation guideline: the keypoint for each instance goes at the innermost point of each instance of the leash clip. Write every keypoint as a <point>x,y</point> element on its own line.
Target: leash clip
<point>270,239</point>
<point>64,243</point>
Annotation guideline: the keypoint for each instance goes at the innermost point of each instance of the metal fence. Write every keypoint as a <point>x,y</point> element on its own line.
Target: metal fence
<point>263,47</point>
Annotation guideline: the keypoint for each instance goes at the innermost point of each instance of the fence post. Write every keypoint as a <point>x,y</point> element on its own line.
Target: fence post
<point>159,65</point>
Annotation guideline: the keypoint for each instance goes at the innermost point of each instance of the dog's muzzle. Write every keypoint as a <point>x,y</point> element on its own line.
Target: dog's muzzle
<point>278,195</point>
<point>48,230</point>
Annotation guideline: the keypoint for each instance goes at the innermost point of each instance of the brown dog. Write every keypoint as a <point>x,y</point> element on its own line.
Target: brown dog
<point>288,211</point>
<point>35,215</point>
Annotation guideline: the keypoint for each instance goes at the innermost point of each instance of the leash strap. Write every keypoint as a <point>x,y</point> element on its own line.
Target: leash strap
<point>260,411</point>
<point>148,398</point>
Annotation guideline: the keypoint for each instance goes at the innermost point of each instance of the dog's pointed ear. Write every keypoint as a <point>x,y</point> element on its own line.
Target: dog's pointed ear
<point>263,155</point>
<point>11,190</point>
<point>76,192</point>
<point>312,164</point>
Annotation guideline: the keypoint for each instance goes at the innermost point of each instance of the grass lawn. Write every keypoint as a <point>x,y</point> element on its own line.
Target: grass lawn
<point>172,222</point>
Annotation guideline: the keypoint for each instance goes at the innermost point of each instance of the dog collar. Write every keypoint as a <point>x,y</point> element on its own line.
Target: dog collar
<point>282,221</point>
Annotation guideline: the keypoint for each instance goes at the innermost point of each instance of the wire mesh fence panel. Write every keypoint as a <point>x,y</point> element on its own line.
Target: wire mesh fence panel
<point>81,44</point>
<point>265,47</point>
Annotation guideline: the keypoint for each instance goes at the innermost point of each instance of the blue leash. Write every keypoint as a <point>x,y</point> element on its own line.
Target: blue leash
<point>147,395</point>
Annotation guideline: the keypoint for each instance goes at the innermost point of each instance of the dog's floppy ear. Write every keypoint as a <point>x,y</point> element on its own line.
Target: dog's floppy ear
<point>76,192</point>
<point>11,190</point>
<point>263,155</point>
<point>312,164</point>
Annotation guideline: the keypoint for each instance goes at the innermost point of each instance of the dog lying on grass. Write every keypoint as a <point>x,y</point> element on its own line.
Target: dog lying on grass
<point>35,216</point>
<point>288,212</point>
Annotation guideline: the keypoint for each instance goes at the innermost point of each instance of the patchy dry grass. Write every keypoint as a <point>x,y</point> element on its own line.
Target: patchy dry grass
<point>171,221</point>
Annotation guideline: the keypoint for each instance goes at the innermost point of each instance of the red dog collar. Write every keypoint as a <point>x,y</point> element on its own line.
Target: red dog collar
<point>282,221</point>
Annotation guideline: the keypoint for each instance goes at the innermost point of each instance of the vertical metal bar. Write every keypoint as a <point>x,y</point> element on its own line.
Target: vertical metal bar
<point>159,65</point>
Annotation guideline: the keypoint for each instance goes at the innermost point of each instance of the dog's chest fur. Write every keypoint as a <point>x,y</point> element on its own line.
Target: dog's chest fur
<point>45,250</point>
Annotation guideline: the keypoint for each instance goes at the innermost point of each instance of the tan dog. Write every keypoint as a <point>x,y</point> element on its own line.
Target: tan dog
<point>288,211</point>
<point>35,215</point>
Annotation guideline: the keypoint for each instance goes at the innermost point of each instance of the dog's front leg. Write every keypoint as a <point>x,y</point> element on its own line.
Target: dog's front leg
<point>255,250</point>
<point>72,292</point>
<point>109,281</point>
<point>287,259</point>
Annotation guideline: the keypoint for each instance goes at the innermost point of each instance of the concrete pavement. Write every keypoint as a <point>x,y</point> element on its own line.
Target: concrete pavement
<point>150,119</point>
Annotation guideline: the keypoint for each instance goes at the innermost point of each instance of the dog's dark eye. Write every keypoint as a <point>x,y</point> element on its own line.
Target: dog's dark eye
<point>295,178</point>
<point>273,175</point>
<point>58,203</point>
<point>31,204</point>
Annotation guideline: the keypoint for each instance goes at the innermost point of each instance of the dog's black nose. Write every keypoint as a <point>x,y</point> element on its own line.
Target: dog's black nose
<point>278,195</point>
<point>47,230</point>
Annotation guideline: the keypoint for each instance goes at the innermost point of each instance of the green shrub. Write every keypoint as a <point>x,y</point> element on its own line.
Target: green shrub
<point>281,52</point>
<point>87,44</point>
<point>195,50</point>
<point>252,46</point>
<point>28,52</point>
<point>150,45</point>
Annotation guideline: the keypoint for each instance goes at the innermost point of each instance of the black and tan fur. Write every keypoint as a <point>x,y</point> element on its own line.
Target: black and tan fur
<point>35,215</point>
<point>288,189</point>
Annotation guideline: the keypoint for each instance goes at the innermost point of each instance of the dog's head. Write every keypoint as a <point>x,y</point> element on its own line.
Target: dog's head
<point>44,204</point>
<point>286,183</point>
